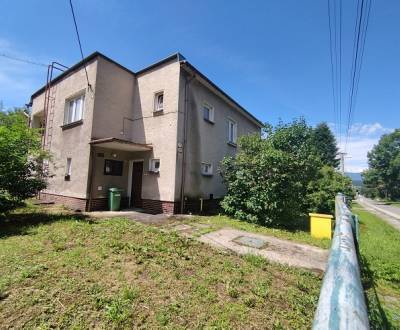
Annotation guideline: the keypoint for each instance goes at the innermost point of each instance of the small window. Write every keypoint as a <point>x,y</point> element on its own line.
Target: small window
<point>113,167</point>
<point>154,165</point>
<point>232,132</point>
<point>159,102</point>
<point>74,110</point>
<point>206,169</point>
<point>68,169</point>
<point>208,113</point>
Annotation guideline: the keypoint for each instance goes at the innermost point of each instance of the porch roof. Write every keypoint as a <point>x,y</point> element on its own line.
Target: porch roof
<point>119,144</point>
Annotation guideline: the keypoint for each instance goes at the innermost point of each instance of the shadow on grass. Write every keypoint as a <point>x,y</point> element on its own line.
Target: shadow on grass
<point>376,314</point>
<point>18,223</point>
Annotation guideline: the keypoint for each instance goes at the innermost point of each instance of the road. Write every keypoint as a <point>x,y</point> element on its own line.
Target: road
<point>389,213</point>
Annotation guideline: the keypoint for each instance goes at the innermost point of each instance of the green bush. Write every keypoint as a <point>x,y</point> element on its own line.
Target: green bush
<point>279,177</point>
<point>322,192</point>
<point>21,160</point>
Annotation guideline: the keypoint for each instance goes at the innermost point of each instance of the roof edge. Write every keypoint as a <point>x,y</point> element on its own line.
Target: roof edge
<point>196,71</point>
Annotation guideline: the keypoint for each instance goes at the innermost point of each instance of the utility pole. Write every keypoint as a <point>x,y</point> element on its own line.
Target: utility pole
<point>342,154</point>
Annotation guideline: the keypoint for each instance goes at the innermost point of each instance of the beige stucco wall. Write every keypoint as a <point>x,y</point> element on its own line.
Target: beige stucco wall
<point>73,142</point>
<point>207,142</point>
<point>120,94</point>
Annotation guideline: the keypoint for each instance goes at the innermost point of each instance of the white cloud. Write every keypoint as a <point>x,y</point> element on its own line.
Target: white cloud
<point>363,137</point>
<point>368,129</point>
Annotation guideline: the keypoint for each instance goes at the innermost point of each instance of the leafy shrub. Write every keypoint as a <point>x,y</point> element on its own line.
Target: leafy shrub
<point>21,160</point>
<point>268,180</point>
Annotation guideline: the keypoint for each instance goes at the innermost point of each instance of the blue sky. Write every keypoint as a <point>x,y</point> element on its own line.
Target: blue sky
<point>271,56</point>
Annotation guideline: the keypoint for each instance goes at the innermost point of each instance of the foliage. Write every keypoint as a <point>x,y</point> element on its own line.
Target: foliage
<point>325,143</point>
<point>282,175</point>
<point>66,271</point>
<point>21,159</point>
<point>382,179</point>
<point>322,191</point>
<point>268,180</point>
<point>380,268</point>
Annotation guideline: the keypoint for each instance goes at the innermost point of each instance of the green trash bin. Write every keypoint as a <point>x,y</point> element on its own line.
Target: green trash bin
<point>114,199</point>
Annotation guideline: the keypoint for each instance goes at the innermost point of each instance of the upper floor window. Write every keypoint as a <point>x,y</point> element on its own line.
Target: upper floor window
<point>74,109</point>
<point>232,132</point>
<point>208,113</point>
<point>159,101</point>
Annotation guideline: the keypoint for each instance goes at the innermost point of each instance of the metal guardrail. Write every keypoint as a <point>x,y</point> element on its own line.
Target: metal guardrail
<point>341,302</point>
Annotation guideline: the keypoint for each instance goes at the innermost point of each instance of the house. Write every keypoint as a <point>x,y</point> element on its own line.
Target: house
<point>158,134</point>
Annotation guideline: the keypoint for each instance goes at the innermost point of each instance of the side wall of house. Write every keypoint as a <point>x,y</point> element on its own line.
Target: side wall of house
<point>70,142</point>
<point>208,142</point>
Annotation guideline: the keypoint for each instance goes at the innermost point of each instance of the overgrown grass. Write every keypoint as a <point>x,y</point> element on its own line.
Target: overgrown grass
<point>380,259</point>
<point>300,234</point>
<point>62,271</point>
<point>397,203</point>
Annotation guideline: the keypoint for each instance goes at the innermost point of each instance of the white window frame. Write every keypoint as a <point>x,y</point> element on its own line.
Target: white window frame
<point>232,131</point>
<point>157,107</point>
<point>74,112</point>
<point>152,165</point>
<point>210,109</point>
<point>207,169</point>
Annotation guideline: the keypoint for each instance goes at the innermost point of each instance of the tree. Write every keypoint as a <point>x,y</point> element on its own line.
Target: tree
<point>322,192</point>
<point>325,143</point>
<point>383,174</point>
<point>268,179</point>
<point>21,160</point>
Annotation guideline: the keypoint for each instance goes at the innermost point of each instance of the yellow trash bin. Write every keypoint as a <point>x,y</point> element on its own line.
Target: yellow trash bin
<point>321,225</point>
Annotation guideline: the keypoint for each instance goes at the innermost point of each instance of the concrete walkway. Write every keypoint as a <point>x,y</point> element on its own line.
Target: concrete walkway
<point>145,218</point>
<point>388,213</point>
<point>273,249</point>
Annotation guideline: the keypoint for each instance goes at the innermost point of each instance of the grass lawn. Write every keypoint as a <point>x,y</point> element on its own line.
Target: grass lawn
<point>301,235</point>
<point>380,257</point>
<point>60,271</point>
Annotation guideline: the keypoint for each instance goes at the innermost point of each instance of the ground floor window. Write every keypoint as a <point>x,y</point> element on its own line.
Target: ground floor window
<point>113,167</point>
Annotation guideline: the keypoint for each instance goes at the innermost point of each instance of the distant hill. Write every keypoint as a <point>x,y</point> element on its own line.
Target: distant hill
<point>356,178</point>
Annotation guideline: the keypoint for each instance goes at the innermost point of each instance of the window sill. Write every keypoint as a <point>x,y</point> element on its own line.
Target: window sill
<point>158,112</point>
<point>232,144</point>
<point>209,121</point>
<point>71,125</point>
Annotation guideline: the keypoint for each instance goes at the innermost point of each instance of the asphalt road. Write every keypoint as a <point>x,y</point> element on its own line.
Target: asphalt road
<point>389,213</point>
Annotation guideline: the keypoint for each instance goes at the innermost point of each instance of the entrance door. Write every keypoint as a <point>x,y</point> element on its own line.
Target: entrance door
<point>136,193</point>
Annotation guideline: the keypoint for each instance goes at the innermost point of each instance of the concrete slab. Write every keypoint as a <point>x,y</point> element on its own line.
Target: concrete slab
<point>148,219</point>
<point>274,249</point>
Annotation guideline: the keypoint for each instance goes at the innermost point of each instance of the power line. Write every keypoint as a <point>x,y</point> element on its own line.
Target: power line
<point>79,41</point>
<point>361,28</point>
<point>332,56</point>
<point>23,60</point>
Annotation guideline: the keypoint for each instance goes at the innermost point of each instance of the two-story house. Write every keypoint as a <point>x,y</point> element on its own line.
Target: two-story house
<point>159,134</point>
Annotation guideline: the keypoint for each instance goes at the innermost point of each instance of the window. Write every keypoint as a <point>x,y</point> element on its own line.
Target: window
<point>208,113</point>
<point>154,165</point>
<point>74,110</point>
<point>113,167</point>
<point>232,132</point>
<point>159,102</point>
<point>206,169</point>
<point>68,168</point>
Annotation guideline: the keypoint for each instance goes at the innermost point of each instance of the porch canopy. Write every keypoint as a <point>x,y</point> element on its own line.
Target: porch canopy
<point>119,144</point>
